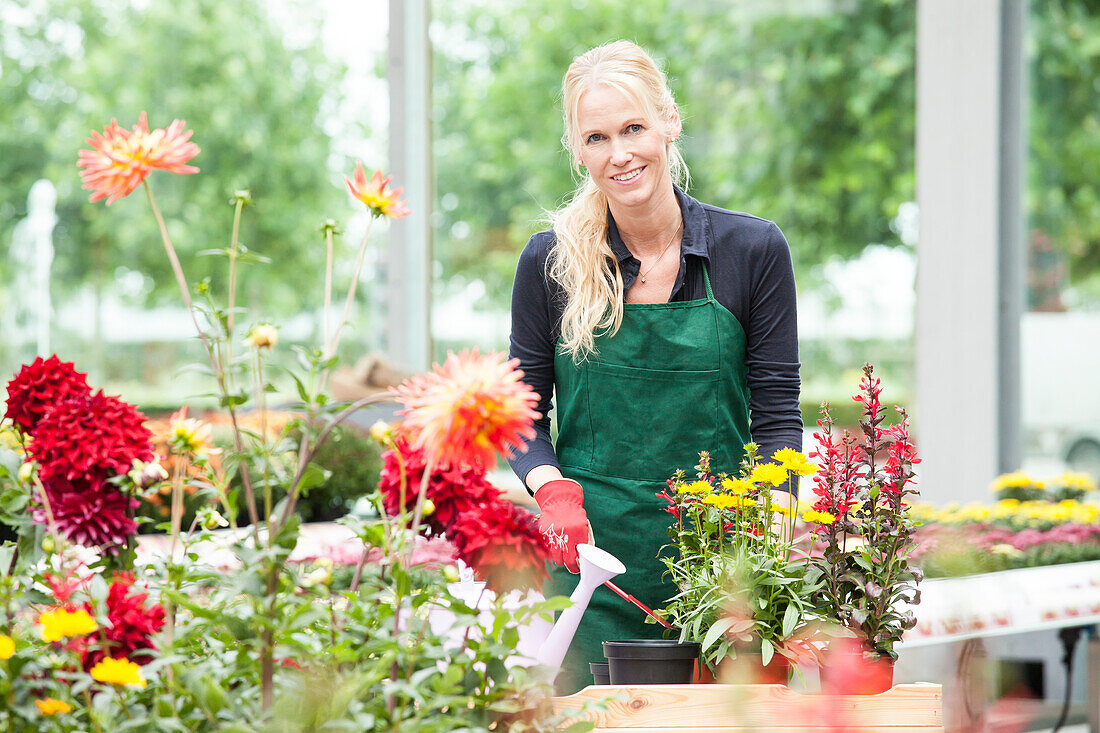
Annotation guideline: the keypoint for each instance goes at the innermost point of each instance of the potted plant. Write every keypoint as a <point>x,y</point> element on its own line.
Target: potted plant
<point>743,589</point>
<point>864,530</point>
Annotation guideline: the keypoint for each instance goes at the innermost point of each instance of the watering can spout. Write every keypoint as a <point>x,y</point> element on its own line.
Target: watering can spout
<point>597,567</point>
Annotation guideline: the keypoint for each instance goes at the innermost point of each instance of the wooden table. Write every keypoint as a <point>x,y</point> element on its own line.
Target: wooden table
<point>916,708</point>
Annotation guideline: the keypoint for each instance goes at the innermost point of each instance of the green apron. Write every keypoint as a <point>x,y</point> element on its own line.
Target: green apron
<point>670,383</point>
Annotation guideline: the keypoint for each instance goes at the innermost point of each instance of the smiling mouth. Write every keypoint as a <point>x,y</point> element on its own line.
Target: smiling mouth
<point>629,175</point>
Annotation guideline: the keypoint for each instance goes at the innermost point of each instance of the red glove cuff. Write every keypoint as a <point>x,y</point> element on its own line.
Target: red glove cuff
<point>563,490</point>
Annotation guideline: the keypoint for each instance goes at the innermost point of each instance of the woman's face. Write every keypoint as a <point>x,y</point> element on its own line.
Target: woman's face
<point>626,155</point>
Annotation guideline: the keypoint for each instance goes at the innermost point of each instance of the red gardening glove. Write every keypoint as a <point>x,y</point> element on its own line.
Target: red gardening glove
<point>563,522</point>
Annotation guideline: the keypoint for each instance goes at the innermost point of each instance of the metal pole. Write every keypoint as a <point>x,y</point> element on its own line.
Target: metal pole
<point>1010,289</point>
<point>408,257</point>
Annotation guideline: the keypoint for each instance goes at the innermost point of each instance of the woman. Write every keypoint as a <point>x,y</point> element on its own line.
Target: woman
<point>660,323</point>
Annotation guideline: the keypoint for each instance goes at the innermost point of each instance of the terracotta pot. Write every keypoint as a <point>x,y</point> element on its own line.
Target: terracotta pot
<point>848,671</point>
<point>745,669</point>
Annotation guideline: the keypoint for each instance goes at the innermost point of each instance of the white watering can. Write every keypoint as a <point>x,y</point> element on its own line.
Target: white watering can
<point>539,644</point>
<point>597,567</point>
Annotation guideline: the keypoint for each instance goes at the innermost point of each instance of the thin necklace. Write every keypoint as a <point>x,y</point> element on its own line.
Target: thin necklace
<point>663,251</point>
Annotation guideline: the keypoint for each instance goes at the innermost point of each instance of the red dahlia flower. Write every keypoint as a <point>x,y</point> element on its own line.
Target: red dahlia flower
<point>39,386</point>
<point>88,511</point>
<point>95,434</point>
<point>501,542</point>
<point>469,409</point>
<point>131,624</point>
<point>452,490</point>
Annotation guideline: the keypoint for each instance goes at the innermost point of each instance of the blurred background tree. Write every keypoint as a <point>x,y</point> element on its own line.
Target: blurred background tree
<point>256,95</point>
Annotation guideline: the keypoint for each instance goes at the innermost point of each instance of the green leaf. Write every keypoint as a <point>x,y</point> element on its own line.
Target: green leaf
<point>790,620</point>
<point>766,652</point>
<point>716,630</point>
<point>314,475</point>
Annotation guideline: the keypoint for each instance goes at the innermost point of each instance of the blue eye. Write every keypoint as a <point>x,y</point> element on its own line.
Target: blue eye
<point>594,138</point>
<point>635,128</point>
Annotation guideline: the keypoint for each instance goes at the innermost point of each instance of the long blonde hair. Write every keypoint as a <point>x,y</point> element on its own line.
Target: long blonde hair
<point>581,260</point>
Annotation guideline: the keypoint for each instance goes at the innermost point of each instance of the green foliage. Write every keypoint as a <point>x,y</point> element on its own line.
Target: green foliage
<point>1063,190</point>
<point>352,462</point>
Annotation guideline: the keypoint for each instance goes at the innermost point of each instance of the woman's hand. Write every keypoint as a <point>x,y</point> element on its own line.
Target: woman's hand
<point>563,522</point>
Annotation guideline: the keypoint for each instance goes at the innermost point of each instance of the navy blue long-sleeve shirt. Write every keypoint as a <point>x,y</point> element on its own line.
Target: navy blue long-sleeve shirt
<point>751,275</point>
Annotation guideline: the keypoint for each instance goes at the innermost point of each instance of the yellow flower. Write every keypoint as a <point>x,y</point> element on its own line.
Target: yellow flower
<point>263,336</point>
<point>1014,480</point>
<point>812,515</point>
<point>695,487</point>
<point>786,511</point>
<point>7,647</point>
<point>725,501</point>
<point>50,706</point>
<point>768,473</point>
<point>1072,480</point>
<point>118,672</point>
<point>58,623</point>
<point>737,486</point>
<point>729,502</point>
<point>188,436</point>
<point>795,462</point>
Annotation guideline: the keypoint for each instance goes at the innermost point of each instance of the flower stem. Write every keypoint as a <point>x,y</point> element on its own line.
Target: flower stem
<point>232,294</point>
<point>328,283</point>
<point>91,711</point>
<point>330,346</point>
<point>181,281</point>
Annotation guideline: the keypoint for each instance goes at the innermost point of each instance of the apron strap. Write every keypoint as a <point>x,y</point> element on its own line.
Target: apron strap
<point>706,281</point>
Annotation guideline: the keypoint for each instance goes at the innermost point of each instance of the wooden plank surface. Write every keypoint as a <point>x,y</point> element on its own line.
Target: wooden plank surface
<point>784,729</point>
<point>909,708</point>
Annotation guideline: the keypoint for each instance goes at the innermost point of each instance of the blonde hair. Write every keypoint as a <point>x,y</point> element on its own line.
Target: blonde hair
<point>581,260</point>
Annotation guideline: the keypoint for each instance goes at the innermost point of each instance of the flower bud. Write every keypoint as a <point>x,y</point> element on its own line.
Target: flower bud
<point>381,431</point>
<point>450,573</point>
<point>26,471</point>
<point>211,518</point>
<point>145,475</point>
<point>48,545</point>
<point>428,509</point>
<point>262,336</point>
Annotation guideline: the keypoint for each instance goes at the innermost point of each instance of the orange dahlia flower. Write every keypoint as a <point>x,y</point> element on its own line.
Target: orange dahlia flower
<point>374,194</point>
<point>121,159</point>
<point>467,410</point>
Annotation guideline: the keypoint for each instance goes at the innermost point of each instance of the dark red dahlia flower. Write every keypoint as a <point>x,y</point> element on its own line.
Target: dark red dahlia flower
<point>88,434</point>
<point>501,542</point>
<point>39,386</point>
<point>452,490</point>
<point>131,623</point>
<point>88,511</point>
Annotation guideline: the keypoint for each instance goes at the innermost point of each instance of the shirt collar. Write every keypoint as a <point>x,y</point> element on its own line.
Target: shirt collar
<point>696,230</point>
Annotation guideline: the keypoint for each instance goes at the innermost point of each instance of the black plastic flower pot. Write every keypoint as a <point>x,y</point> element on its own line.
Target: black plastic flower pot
<point>650,661</point>
<point>600,675</point>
